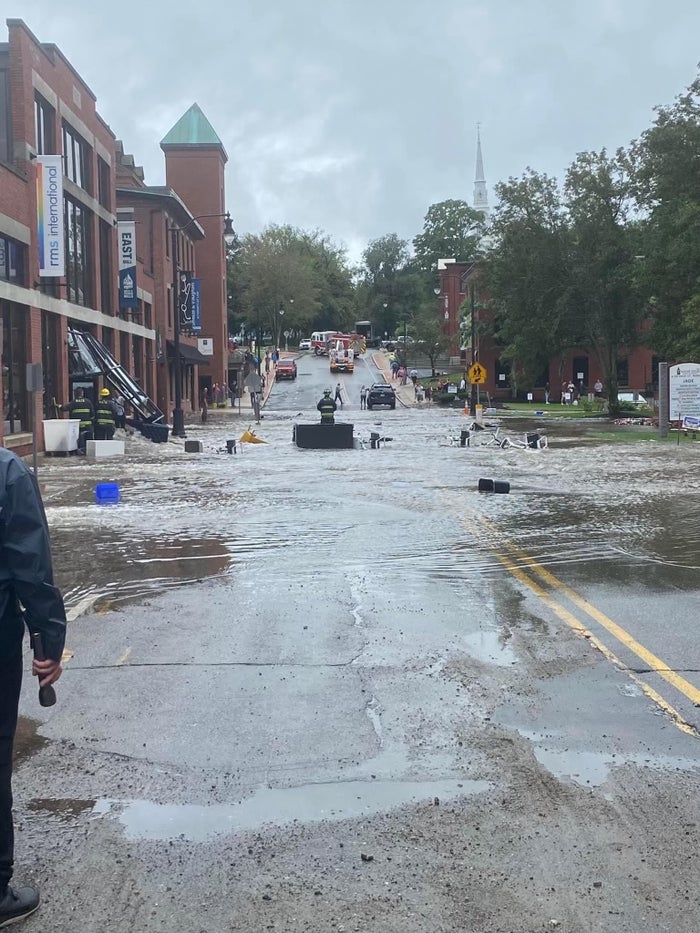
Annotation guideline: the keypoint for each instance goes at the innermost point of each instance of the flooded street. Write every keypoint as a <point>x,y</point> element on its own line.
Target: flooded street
<point>344,690</point>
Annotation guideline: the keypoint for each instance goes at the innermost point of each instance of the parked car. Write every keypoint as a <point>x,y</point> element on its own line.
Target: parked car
<point>381,394</point>
<point>631,398</point>
<point>286,369</point>
<point>305,344</point>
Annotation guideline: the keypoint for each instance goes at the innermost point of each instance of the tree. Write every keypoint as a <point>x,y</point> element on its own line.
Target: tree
<point>667,159</point>
<point>562,270</point>
<point>451,230</point>
<point>285,269</point>
<point>527,273</point>
<point>604,271</point>
<point>429,335</point>
<point>385,288</point>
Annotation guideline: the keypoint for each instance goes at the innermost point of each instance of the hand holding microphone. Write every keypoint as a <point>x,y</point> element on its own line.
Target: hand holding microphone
<point>47,670</point>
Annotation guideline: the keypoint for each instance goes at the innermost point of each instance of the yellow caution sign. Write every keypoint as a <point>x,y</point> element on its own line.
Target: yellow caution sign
<point>477,374</point>
<point>250,437</point>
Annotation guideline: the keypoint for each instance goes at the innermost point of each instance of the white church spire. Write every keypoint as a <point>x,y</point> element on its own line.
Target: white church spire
<point>481,197</point>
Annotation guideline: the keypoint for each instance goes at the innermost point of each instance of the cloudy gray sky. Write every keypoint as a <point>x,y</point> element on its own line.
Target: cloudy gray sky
<point>355,115</point>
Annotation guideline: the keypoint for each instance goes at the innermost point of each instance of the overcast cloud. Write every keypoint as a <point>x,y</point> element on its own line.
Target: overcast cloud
<point>354,116</point>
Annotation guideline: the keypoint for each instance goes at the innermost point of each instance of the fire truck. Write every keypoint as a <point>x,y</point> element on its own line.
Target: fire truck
<point>320,341</point>
<point>323,341</point>
<point>342,358</point>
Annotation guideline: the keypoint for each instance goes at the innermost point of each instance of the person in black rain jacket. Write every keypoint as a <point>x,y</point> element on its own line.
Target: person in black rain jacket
<point>327,407</point>
<point>26,578</point>
<point>105,418</point>
<point>81,408</point>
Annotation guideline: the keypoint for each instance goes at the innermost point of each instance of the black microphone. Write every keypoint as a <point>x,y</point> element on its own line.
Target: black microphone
<point>47,694</point>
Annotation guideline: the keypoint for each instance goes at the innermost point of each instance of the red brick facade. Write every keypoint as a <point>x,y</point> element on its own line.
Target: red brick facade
<point>48,109</point>
<point>637,371</point>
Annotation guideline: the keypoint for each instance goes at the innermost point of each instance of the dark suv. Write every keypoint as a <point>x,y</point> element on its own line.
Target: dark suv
<point>381,394</point>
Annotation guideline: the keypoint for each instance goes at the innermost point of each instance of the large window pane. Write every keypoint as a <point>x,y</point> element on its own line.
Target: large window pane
<point>79,278</point>
<point>14,369</point>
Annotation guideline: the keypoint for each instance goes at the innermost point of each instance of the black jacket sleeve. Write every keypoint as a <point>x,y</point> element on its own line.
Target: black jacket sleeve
<point>25,557</point>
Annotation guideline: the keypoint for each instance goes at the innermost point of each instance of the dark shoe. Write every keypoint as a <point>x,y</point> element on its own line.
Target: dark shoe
<point>17,904</point>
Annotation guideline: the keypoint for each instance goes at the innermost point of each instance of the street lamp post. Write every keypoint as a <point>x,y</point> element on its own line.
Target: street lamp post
<point>229,237</point>
<point>472,302</point>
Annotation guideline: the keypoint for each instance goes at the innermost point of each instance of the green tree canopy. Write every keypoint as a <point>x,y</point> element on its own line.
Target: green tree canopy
<point>668,191</point>
<point>451,230</point>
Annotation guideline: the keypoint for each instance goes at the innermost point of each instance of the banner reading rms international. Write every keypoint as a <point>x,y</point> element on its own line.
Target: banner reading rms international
<point>49,207</point>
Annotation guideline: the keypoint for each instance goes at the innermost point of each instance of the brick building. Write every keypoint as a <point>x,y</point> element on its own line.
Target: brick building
<point>195,160</point>
<point>156,213</point>
<point>70,199</point>
<point>47,109</point>
<point>637,370</point>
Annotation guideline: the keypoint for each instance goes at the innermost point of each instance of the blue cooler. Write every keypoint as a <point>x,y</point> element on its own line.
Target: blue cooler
<point>107,493</point>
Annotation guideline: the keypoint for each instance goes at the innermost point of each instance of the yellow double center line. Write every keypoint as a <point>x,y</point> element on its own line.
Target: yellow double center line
<point>508,556</point>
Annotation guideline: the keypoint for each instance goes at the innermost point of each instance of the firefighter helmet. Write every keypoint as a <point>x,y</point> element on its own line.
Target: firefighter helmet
<point>104,393</point>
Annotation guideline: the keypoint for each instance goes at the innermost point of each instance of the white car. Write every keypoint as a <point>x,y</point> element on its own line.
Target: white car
<point>633,398</point>
<point>304,344</point>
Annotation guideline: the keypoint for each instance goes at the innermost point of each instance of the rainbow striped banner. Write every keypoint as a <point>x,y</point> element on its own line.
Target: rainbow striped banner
<point>49,219</point>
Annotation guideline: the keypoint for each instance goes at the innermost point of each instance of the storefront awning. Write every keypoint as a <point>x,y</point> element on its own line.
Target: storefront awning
<point>188,354</point>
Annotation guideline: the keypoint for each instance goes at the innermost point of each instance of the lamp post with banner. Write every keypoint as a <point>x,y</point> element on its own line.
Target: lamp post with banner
<point>182,302</point>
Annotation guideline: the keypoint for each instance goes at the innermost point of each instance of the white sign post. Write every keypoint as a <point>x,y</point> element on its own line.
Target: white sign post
<point>683,391</point>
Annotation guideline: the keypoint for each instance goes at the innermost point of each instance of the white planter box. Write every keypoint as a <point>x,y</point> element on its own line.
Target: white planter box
<point>61,435</point>
<point>105,449</point>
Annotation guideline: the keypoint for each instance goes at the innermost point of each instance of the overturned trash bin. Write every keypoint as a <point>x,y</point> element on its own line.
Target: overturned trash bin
<point>493,485</point>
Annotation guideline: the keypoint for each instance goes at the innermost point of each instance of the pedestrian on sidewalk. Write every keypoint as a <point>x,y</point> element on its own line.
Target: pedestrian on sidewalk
<point>414,377</point>
<point>338,397</point>
<point>26,578</point>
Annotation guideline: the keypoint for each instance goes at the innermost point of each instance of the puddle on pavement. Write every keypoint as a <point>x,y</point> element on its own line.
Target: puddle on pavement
<point>592,769</point>
<point>143,819</point>
<point>489,647</point>
<point>27,739</point>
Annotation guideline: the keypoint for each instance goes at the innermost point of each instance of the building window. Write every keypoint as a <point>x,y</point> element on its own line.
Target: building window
<point>14,369</point>
<point>51,352</point>
<point>5,119</point>
<point>13,261</point>
<point>623,372</point>
<point>44,126</point>
<point>78,253</point>
<point>147,315</point>
<point>76,158</point>
<point>106,283</point>
<point>104,184</point>
<point>502,374</point>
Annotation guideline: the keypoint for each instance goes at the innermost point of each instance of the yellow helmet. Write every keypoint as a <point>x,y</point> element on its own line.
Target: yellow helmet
<point>104,393</point>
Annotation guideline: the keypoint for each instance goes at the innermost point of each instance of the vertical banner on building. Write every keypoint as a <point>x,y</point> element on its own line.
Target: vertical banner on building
<point>184,301</point>
<point>196,307</point>
<point>126,231</point>
<point>49,209</point>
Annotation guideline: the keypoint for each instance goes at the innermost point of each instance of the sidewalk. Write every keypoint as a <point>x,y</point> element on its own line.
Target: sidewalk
<point>243,404</point>
<point>404,393</point>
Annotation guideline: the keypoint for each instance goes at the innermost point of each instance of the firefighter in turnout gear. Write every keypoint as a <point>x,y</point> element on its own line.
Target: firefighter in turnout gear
<point>81,409</point>
<point>105,422</point>
<point>327,407</point>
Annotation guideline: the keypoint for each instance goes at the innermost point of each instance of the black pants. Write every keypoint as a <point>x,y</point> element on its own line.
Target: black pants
<point>10,683</point>
<point>104,432</point>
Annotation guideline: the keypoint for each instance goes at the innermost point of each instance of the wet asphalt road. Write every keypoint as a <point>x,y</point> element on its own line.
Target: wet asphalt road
<point>284,658</point>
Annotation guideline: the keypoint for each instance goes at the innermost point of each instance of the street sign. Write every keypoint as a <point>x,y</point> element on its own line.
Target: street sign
<point>477,374</point>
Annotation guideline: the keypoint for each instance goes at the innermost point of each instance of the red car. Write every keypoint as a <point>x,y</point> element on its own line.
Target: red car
<point>286,369</point>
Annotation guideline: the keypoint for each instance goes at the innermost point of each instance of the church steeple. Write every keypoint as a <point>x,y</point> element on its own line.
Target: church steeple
<point>481,196</point>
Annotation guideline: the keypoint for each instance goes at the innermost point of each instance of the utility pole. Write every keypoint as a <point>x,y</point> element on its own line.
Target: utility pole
<point>472,398</point>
